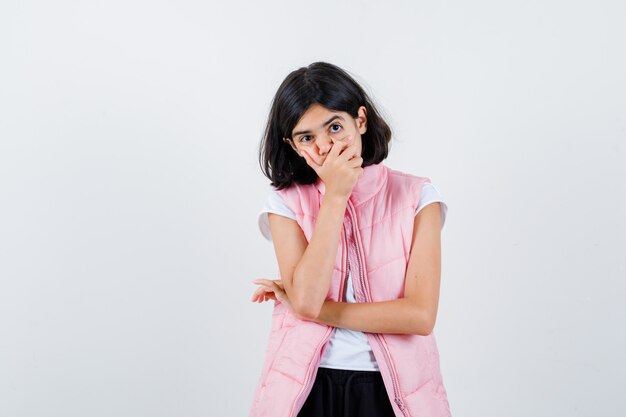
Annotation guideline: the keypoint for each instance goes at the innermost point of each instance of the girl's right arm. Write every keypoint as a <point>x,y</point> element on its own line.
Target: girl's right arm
<point>306,268</point>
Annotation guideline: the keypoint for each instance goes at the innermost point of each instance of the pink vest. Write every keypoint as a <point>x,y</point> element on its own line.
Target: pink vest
<point>382,210</point>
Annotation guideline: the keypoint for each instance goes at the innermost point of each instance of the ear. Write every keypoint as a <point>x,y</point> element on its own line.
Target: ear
<point>361,120</point>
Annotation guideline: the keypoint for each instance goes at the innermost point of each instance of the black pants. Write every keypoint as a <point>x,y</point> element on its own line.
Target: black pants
<point>346,393</point>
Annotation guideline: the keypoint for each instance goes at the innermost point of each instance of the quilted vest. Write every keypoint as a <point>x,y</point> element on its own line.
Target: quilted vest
<point>379,220</point>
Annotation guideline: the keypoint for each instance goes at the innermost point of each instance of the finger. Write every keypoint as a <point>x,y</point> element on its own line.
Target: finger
<point>267,282</point>
<point>262,281</point>
<point>259,293</point>
<point>348,153</point>
<point>260,290</point>
<point>309,160</point>
<point>263,297</point>
<point>339,146</point>
<point>256,294</point>
<point>355,162</point>
<point>277,293</point>
<point>268,294</point>
<point>270,286</point>
<point>275,288</point>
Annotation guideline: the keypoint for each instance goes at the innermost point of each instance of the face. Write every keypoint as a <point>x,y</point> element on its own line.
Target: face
<point>319,128</point>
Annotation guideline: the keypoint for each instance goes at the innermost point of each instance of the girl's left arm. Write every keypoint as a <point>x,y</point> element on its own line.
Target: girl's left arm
<point>416,312</point>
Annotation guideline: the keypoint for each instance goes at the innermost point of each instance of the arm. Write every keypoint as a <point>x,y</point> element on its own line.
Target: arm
<point>306,267</point>
<point>416,312</point>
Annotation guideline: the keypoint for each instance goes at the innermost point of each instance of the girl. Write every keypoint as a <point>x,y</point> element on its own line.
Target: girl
<point>358,249</point>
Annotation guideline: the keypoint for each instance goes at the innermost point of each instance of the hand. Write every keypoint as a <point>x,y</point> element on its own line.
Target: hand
<point>263,293</point>
<point>271,290</point>
<point>340,170</point>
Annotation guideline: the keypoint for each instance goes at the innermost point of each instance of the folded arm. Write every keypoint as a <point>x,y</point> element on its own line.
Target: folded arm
<point>306,267</point>
<point>416,312</point>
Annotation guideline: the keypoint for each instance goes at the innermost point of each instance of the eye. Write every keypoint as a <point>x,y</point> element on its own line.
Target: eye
<point>304,138</point>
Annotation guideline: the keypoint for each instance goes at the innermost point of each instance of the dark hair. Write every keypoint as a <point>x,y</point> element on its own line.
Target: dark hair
<point>332,87</point>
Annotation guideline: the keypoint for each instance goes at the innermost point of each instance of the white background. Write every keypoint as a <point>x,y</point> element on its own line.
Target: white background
<point>130,187</point>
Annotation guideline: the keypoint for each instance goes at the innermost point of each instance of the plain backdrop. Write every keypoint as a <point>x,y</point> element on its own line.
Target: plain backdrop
<point>130,189</point>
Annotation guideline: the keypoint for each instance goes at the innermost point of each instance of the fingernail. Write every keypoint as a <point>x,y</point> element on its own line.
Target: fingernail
<point>349,138</point>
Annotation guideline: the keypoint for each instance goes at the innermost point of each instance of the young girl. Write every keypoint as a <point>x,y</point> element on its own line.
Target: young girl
<point>359,253</point>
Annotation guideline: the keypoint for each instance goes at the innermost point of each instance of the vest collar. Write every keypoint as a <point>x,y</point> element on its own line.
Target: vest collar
<point>368,184</point>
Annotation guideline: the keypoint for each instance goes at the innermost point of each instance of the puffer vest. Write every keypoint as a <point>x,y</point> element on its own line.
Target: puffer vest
<point>380,213</point>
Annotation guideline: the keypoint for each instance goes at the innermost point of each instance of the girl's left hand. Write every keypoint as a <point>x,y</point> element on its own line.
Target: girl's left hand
<point>271,290</point>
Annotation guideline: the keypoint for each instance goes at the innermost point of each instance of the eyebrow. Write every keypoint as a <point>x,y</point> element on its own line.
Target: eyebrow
<point>326,123</point>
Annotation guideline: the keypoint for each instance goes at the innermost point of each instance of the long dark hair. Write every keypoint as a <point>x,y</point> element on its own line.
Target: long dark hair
<point>333,88</point>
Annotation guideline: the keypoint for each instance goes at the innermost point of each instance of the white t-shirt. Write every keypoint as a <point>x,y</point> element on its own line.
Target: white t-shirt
<point>346,348</point>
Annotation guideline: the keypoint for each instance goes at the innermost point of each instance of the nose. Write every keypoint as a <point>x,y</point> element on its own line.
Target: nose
<point>324,144</point>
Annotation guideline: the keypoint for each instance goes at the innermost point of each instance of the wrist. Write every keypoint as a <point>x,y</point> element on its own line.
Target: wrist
<point>335,199</point>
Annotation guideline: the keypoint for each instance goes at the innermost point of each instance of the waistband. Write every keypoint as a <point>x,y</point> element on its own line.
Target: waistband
<point>345,376</point>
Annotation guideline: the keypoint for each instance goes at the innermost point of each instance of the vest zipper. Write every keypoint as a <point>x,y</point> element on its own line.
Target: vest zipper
<point>344,281</point>
<point>379,338</point>
<point>306,388</point>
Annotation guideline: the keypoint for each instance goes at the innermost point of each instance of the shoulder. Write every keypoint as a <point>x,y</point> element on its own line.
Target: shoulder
<point>429,195</point>
<point>274,203</point>
<point>405,186</point>
<point>303,199</point>
<point>421,187</point>
<point>405,179</point>
<point>277,201</point>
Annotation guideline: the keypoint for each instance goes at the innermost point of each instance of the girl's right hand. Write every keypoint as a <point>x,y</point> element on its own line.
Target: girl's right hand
<point>340,170</point>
